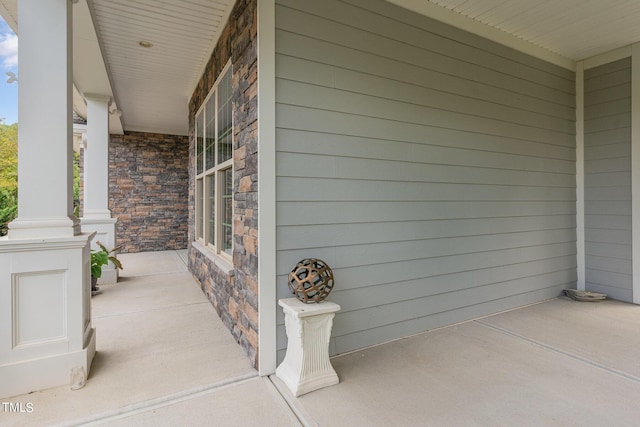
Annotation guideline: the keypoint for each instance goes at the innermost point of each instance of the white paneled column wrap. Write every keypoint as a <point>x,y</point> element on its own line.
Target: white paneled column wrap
<point>45,190</point>
<point>97,216</point>
<point>635,168</point>
<point>45,297</point>
<point>96,158</point>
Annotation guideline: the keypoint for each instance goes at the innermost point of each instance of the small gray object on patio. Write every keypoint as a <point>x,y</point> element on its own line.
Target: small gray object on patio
<point>584,295</point>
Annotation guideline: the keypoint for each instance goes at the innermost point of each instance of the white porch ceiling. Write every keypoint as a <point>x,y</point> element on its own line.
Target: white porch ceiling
<point>576,29</point>
<point>152,86</point>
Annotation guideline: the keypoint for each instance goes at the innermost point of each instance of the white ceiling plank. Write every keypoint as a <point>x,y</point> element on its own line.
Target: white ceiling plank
<point>160,43</point>
<point>120,20</point>
<point>142,11</point>
<point>451,4</point>
<point>505,12</point>
<point>475,9</point>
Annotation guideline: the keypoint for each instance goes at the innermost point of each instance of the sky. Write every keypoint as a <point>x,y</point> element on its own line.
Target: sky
<point>8,63</point>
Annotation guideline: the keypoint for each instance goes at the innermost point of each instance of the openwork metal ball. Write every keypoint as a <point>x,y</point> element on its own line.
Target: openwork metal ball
<point>311,280</point>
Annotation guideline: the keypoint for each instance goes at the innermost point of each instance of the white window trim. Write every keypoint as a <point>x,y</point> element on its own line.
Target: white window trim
<point>217,170</point>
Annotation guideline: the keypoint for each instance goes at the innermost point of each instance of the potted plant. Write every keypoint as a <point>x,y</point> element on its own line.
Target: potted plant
<point>98,259</point>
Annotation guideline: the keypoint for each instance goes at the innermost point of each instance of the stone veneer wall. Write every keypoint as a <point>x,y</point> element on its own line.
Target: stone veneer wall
<point>233,290</point>
<point>148,190</point>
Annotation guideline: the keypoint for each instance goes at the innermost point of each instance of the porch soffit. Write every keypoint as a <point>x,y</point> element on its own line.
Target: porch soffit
<point>152,86</point>
<point>575,29</point>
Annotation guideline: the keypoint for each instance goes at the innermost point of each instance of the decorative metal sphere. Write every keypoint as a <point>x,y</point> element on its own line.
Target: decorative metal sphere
<point>311,280</point>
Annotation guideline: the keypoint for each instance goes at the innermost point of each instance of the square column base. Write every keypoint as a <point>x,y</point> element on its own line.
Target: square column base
<point>47,372</point>
<point>45,312</point>
<point>306,366</point>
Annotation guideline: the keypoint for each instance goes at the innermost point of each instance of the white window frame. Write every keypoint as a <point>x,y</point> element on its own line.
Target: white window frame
<point>202,214</point>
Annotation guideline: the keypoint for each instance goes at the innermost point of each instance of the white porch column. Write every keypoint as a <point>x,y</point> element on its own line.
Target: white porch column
<point>97,216</point>
<point>45,307</point>
<point>96,158</point>
<point>45,195</point>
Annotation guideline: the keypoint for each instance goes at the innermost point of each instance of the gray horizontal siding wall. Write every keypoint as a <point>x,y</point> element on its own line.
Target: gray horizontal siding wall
<point>607,167</point>
<point>433,170</point>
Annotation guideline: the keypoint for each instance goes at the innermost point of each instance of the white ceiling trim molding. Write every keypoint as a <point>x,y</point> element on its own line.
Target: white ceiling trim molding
<point>605,58</point>
<point>155,129</point>
<point>450,17</point>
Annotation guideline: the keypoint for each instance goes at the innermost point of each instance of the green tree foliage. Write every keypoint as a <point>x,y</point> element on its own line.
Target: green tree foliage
<point>76,184</point>
<point>8,175</point>
<point>8,209</point>
<point>9,156</point>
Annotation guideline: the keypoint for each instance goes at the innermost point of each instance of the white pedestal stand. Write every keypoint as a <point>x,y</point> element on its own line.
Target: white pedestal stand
<point>306,366</point>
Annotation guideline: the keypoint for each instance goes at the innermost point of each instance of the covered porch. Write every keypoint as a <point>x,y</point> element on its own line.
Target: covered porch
<point>164,358</point>
<point>445,161</point>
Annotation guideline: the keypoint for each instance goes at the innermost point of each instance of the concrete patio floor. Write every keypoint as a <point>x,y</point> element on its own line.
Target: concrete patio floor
<point>165,359</point>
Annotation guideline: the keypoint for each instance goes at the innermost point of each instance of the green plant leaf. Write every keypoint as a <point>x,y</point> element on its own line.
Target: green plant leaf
<point>116,262</point>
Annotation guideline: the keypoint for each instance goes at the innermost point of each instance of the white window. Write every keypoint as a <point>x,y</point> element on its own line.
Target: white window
<point>214,168</point>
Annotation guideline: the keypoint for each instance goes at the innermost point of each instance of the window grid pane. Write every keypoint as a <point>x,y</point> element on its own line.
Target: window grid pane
<point>199,143</point>
<point>210,132</point>
<point>199,207</point>
<point>211,210</point>
<point>225,125</point>
<point>226,214</point>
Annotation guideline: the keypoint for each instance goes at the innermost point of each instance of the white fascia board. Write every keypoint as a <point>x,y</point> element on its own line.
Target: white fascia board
<point>442,14</point>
